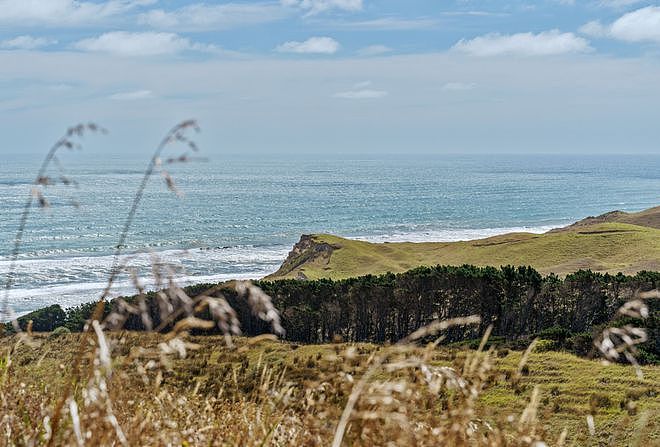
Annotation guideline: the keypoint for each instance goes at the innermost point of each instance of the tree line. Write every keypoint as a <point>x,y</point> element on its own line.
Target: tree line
<point>518,301</point>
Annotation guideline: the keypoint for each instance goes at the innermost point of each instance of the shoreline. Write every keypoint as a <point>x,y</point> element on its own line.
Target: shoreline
<point>265,261</point>
<point>65,293</point>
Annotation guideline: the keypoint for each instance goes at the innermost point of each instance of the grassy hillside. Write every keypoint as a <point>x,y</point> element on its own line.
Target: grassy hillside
<point>220,391</point>
<point>602,247</point>
<point>646,218</point>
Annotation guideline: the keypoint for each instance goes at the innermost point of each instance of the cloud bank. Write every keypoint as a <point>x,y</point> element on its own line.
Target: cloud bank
<point>123,43</point>
<point>547,43</point>
<point>61,13</point>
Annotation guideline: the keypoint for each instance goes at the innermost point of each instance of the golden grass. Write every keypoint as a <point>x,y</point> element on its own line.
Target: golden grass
<point>274,393</point>
<point>605,247</point>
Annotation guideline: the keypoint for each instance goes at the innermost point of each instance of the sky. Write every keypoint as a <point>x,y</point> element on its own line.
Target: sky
<point>335,77</point>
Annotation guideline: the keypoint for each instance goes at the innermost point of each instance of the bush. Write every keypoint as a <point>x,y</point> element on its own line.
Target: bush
<point>60,330</point>
<point>580,344</point>
<point>546,345</point>
<point>76,317</point>
<point>646,357</point>
<point>555,333</point>
<point>43,320</point>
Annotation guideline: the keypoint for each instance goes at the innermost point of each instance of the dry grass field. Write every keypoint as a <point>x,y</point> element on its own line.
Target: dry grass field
<point>197,391</point>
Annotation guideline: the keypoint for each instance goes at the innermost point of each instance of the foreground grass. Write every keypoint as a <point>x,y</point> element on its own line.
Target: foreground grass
<point>602,247</point>
<point>264,392</point>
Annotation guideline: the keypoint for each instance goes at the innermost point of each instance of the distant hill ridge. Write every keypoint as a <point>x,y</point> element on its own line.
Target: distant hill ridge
<point>612,242</point>
<point>647,218</point>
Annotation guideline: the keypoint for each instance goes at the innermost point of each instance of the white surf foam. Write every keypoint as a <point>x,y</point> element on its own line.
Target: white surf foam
<point>453,235</point>
<point>76,280</point>
<point>23,301</point>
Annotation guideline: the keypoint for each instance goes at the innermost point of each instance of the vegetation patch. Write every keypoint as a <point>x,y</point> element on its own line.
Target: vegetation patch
<point>604,246</point>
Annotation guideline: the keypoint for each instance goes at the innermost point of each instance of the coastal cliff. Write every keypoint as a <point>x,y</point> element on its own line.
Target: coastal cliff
<point>309,249</point>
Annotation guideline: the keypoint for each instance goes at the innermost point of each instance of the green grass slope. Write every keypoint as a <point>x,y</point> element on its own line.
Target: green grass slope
<point>602,247</point>
<point>646,218</point>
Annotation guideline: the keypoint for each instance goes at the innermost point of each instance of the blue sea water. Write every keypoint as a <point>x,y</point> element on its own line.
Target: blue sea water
<point>239,218</point>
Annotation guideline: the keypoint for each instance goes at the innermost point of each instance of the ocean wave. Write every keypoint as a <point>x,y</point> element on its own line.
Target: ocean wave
<point>26,300</point>
<point>237,253</point>
<point>452,235</point>
<point>75,280</point>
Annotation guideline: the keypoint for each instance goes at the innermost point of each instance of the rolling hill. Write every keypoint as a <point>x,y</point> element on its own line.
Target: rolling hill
<point>613,242</point>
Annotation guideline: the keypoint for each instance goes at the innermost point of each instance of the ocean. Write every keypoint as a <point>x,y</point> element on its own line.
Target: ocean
<point>239,218</point>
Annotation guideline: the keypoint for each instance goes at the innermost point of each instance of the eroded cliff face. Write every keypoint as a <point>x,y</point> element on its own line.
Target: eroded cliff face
<point>307,250</point>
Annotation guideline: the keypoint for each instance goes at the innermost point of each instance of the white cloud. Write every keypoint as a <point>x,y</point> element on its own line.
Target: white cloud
<point>132,96</point>
<point>200,16</point>
<point>373,50</point>
<point>26,43</point>
<point>140,44</point>
<point>361,94</point>
<point>642,25</point>
<point>459,86</point>
<point>318,45</point>
<point>318,6</point>
<point>546,43</point>
<point>63,12</point>
<point>387,23</point>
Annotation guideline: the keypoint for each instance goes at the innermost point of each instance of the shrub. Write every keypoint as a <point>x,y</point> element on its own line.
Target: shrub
<point>555,333</point>
<point>546,345</point>
<point>59,331</point>
<point>43,320</point>
<point>646,357</point>
<point>76,317</point>
<point>580,344</point>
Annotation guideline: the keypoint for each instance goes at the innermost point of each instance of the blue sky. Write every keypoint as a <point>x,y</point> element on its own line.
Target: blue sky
<point>342,77</point>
